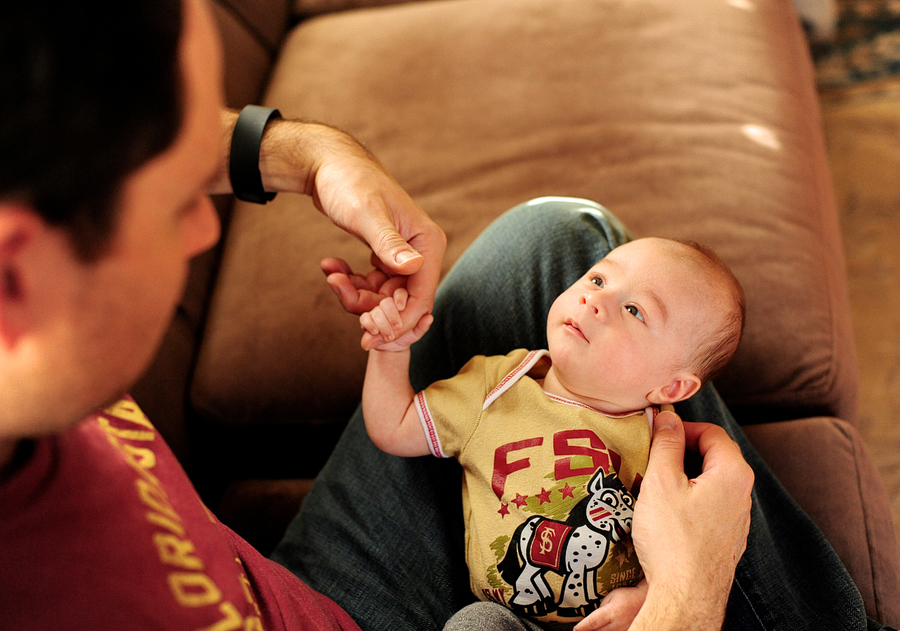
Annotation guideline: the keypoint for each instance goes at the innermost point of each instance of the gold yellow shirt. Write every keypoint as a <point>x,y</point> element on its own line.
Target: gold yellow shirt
<point>540,537</point>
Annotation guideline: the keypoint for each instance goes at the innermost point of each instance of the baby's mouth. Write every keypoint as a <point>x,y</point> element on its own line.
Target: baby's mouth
<point>573,327</point>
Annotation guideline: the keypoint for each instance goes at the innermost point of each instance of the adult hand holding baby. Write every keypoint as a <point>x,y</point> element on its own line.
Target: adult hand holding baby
<point>690,533</point>
<point>359,196</point>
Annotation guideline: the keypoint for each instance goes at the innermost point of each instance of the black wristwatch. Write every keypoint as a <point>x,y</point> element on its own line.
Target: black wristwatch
<point>243,166</point>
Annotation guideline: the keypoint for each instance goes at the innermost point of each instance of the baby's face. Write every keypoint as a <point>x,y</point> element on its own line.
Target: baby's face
<point>630,323</point>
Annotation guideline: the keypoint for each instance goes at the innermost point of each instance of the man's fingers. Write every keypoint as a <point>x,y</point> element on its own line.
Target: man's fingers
<point>717,449</point>
<point>352,299</point>
<point>667,448</point>
<point>392,285</point>
<point>375,279</point>
<point>424,324</point>
<point>335,265</point>
<point>702,436</point>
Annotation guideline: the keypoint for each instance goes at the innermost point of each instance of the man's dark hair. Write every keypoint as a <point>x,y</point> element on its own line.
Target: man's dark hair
<point>89,91</point>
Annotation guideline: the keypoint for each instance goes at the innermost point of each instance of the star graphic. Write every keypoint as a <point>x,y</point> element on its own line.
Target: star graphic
<point>544,496</point>
<point>568,491</point>
<point>504,510</point>
<point>520,500</point>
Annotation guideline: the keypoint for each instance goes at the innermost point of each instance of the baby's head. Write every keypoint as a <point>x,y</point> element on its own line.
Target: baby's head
<point>649,324</point>
<point>718,344</point>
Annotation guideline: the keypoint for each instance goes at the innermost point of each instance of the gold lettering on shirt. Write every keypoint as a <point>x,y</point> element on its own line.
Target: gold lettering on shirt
<point>129,411</point>
<point>189,585</point>
<point>164,522</point>
<point>177,552</point>
<point>248,590</point>
<point>194,589</point>
<point>142,456</point>
<point>155,498</point>
<point>125,434</point>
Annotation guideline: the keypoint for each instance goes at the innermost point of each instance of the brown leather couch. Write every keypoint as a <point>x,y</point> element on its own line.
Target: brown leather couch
<point>686,118</point>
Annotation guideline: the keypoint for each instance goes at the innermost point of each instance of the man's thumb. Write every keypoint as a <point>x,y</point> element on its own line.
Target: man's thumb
<point>667,448</point>
<point>398,255</point>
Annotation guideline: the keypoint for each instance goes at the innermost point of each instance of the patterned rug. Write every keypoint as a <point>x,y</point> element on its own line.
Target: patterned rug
<point>864,57</point>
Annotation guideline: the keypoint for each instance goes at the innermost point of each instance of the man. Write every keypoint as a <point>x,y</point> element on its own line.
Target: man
<point>111,141</point>
<point>82,309</point>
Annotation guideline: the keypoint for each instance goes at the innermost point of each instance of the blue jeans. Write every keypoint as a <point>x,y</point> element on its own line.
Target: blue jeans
<point>383,536</point>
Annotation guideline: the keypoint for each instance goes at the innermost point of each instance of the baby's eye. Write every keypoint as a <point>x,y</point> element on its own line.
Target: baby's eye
<point>597,280</point>
<point>635,312</point>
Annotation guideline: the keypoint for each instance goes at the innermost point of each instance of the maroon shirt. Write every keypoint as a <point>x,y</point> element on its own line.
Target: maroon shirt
<point>102,529</point>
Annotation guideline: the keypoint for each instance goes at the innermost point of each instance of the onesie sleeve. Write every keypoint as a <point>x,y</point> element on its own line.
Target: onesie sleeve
<point>450,410</point>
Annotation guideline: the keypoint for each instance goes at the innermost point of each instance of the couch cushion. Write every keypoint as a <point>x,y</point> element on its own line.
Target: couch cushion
<point>686,118</point>
<point>829,472</point>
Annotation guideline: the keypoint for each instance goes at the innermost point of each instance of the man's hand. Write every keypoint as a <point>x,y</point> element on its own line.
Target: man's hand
<point>359,293</point>
<point>352,188</point>
<point>690,534</point>
<point>358,195</point>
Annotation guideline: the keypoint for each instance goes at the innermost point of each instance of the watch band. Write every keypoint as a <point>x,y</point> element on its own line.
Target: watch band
<point>243,165</point>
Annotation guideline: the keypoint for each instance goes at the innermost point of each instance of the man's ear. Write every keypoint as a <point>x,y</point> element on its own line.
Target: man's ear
<point>684,385</point>
<point>19,226</point>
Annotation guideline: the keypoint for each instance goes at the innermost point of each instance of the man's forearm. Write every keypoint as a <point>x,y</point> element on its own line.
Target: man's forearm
<point>680,609</point>
<point>288,155</point>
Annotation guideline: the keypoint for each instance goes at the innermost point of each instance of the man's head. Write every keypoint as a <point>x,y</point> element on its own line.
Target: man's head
<point>90,91</point>
<point>84,301</point>
<point>649,323</point>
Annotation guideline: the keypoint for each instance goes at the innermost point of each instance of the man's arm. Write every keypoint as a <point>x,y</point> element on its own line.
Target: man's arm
<point>354,190</point>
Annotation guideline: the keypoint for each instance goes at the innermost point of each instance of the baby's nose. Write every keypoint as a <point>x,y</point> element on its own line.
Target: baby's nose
<point>592,303</point>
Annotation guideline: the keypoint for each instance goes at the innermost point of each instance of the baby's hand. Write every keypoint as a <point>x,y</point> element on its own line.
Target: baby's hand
<point>617,610</point>
<point>382,323</point>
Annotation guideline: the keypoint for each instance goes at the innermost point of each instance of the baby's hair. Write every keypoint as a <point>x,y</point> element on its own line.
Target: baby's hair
<point>717,348</point>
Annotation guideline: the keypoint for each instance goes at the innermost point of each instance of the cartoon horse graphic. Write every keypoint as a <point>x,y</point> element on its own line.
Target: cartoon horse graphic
<point>574,548</point>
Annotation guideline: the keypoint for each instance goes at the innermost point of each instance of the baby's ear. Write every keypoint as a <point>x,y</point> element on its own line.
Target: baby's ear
<point>683,386</point>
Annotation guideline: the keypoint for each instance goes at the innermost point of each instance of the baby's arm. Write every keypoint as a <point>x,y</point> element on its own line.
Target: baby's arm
<point>617,610</point>
<point>388,398</point>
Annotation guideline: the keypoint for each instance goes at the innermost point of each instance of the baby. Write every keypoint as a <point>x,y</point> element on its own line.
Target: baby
<point>554,443</point>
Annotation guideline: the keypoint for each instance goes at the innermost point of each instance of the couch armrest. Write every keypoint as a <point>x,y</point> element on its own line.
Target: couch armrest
<point>251,32</point>
<point>825,466</point>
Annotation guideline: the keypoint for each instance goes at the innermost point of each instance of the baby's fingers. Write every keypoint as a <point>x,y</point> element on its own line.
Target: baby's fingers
<point>377,322</point>
<point>367,322</point>
<point>389,320</point>
<point>597,619</point>
<point>400,296</point>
